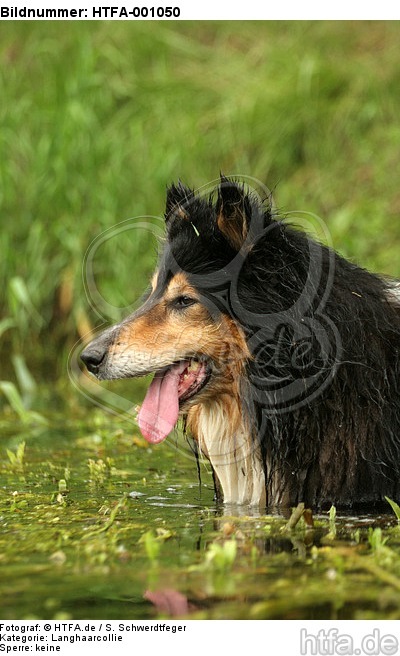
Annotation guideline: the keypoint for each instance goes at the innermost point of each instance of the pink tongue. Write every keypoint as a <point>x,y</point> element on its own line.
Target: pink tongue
<point>160,408</point>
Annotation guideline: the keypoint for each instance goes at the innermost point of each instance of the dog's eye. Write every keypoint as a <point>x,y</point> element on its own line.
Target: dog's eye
<point>182,302</point>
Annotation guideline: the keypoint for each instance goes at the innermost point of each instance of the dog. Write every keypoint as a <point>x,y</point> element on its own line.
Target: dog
<point>281,356</point>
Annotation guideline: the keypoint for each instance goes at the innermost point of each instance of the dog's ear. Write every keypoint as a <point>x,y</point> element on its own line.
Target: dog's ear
<point>233,210</point>
<point>178,200</point>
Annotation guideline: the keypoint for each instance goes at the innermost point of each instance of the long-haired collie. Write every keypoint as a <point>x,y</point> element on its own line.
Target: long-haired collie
<point>282,358</point>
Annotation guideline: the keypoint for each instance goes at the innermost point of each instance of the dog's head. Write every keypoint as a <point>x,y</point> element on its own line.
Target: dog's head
<point>186,331</point>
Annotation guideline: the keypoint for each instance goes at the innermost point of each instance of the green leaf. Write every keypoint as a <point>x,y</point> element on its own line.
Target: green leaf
<point>26,381</point>
<point>22,296</point>
<point>332,514</point>
<point>221,557</point>
<point>17,459</point>
<point>13,397</point>
<point>151,544</point>
<point>5,324</point>
<point>395,507</point>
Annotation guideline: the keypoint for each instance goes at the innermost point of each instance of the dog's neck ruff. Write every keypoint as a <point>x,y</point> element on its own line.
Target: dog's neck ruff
<point>232,453</point>
<point>393,292</point>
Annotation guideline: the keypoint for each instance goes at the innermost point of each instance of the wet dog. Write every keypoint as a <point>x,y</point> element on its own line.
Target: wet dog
<point>282,358</point>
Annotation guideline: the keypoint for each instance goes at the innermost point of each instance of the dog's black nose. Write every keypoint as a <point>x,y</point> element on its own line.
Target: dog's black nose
<point>93,356</point>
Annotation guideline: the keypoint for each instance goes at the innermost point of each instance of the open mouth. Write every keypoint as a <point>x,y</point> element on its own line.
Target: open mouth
<point>169,390</point>
<point>193,378</point>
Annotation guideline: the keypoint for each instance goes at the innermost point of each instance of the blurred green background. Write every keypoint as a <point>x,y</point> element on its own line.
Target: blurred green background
<point>96,118</point>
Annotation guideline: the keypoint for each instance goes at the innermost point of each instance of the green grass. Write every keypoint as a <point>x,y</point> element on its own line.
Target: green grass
<point>96,119</point>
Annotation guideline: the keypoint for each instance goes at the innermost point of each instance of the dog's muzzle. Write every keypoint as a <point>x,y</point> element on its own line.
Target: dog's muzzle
<point>94,356</point>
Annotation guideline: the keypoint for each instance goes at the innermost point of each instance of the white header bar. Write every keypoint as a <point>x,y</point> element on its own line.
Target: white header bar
<point>133,10</point>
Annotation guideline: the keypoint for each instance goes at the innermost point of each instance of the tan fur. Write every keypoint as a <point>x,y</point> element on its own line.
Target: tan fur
<point>234,227</point>
<point>161,336</point>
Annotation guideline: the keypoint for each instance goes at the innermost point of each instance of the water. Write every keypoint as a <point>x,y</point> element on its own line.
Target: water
<point>95,524</point>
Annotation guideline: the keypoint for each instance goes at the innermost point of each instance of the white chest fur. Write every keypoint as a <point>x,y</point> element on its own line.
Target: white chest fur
<point>233,455</point>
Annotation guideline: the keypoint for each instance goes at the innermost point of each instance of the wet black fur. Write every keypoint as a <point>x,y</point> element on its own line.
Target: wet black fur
<point>316,325</point>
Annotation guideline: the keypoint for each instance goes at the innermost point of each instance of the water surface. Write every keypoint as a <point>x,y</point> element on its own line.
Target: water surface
<point>95,524</point>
